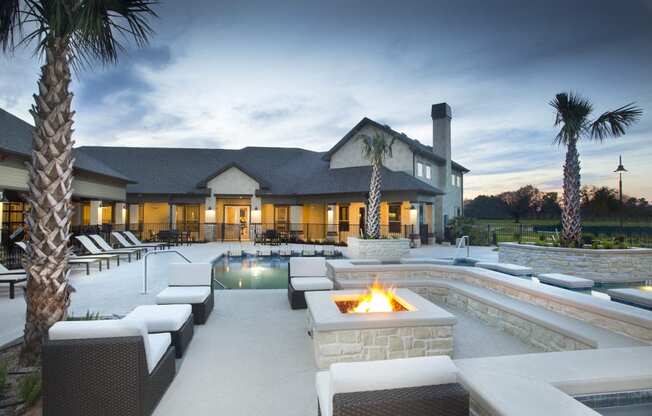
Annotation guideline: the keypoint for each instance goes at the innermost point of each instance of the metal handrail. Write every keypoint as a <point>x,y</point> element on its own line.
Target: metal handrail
<point>157,252</point>
<point>459,246</point>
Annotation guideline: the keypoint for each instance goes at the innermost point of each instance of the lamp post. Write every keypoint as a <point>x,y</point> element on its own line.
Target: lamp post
<point>619,170</point>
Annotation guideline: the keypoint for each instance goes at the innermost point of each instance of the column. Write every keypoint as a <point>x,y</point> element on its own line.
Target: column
<point>1,208</point>
<point>296,222</point>
<point>134,217</point>
<point>331,220</point>
<point>96,213</point>
<point>119,213</point>
<point>208,227</point>
<point>172,217</point>
<point>439,217</point>
<point>255,217</point>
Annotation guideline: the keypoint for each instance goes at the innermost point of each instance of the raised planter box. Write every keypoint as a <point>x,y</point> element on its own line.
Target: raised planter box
<point>392,249</point>
<point>599,265</point>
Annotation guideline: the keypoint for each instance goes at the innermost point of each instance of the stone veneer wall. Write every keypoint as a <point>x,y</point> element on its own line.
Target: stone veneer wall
<point>527,331</point>
<point>565,308</point>
<point>608,266</point>
<point>390,249</point>
<point>381,344</point>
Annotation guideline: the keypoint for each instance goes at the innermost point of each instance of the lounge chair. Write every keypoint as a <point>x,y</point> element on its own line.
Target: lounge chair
<point>105,367</point>
<point>133,239</point>
<point>89,246</point>
<point>124,243</point>
<point>421,386</point>
<point>97,239</point>
<point>190,283</point>
<point>175,319</point>
<point>85,259</point>
<point>306,274</point>
<point>12,277</point>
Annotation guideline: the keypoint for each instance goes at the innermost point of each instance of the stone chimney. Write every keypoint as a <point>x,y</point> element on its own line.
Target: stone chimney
<point>441,140</point>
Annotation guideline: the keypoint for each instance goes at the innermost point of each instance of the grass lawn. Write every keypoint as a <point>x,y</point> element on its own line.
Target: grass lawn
<point>628,223</point>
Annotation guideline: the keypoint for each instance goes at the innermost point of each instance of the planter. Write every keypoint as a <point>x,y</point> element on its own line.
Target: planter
<point>599,265</point>
<point>385,250</point>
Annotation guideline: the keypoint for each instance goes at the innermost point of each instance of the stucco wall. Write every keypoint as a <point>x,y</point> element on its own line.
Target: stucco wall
<point>232,182</point>
<point>92,189</point>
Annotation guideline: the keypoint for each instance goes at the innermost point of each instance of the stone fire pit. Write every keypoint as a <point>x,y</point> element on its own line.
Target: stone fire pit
<point>419,329</point>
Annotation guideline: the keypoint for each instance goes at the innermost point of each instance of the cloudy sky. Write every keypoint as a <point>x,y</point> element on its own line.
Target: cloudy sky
<point>300,74</point>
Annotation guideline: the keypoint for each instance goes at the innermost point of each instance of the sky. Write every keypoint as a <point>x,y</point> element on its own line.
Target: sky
<point>230,74</point>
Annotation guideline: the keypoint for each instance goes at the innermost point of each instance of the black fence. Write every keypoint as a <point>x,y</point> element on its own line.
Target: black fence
<point>494,233</point>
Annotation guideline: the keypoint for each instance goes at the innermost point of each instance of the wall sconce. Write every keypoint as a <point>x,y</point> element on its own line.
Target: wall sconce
<point>413,214</point>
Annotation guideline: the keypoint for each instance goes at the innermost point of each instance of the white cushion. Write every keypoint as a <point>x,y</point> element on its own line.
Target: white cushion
<point>158,344</point>
<point>322,382</point>
<point>308,267</point>
<point>183,294</point>
<point>190,274</point>
<point>391,374</point>
<point>161,318</point>
<point>311,283</point>
<point>110,328</point>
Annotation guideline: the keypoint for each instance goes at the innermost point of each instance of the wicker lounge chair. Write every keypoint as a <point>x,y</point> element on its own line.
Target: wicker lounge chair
<point>12,277</point>
<point>306,274</point>
<point>132,238</point>
<point>190,283</point>
<point>111,367</point>
<point>175,319</point>
<point>422,386</point>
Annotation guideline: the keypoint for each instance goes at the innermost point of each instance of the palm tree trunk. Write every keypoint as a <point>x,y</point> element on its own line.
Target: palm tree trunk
<point>373,210</point>
<point>50,190</point>
<point>571,220</point>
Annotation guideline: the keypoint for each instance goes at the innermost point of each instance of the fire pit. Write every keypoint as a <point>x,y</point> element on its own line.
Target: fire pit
<point>376,324</point>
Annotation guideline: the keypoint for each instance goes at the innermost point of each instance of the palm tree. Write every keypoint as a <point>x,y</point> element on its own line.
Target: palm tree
<point>67,34</point>
<point>375,149</point>
<point>572,114</point>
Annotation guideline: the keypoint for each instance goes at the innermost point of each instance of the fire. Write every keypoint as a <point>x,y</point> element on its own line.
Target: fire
<point>378,299</point>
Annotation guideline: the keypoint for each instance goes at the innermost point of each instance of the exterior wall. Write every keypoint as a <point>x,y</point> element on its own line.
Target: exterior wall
<point>350,155</point>
<point>267,213</point>
<point>608,266</point>
<point>453,198</point>
<point>232,182</point>
<point>87,188</point>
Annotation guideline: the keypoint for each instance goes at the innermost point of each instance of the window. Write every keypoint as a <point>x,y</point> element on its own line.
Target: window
<point>344,218</point>
<point>428,172</point>
<point>459,180</point>
<point>419,169</point>
<point>453,180</point>
<point>394,218</point>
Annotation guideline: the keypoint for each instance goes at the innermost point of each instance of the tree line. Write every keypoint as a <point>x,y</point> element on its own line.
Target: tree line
<point>528,202</point>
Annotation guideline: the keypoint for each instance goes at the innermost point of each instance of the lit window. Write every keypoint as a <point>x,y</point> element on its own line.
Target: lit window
<point>453,180</point>
<point>428,172</point>
<point>419,169</point>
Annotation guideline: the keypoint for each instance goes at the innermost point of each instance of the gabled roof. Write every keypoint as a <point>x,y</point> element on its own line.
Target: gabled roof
<point>203,182</point>
<point>16,139</point>
<point>414,145</point>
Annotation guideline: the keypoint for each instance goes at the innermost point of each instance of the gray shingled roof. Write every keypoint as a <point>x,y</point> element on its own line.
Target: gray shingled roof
<point>285,171</point>
<point>16,138</point>
<point>415,145</point>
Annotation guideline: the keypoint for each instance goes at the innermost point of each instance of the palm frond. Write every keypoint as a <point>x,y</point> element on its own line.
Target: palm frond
<point>613,123</point>
<point>571,112</point>
<point>11,20</point>
<point>377,147</point>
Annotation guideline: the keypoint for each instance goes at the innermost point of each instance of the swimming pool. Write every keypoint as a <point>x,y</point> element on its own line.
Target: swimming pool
<point>252,272</point>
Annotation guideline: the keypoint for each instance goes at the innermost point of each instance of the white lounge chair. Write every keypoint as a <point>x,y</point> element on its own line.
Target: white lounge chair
<point>133,239</point>
<point>127,244</point>
<point>190,283</point>
<point>85,260</point>
<point>89,246</point>
<point>306,274</point>
<point>12,277</point>
<point>102,243</point>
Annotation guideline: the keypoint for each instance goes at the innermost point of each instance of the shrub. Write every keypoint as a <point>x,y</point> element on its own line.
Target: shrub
<point>619,239</point>
<point>588,238</point>
<point>542,238</point>
<point>3,378</point>
<point>595,244</point>
<point>29,388</point>
<point>607,245</point>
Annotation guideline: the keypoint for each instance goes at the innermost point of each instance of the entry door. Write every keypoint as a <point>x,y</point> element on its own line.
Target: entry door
<point>236,222</point>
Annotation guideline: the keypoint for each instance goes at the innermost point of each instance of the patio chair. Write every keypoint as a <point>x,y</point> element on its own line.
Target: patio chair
<point>190,283</point>
<point>12,277</point>
<point>132,237</point>
<point>84,259</point>
<point>124,243</point>
<point>421,386</point>
<point>105,367</point>
<point>90,247</point>
<point>175,319</point>
<point>306,274</point>
<point>107,248</point>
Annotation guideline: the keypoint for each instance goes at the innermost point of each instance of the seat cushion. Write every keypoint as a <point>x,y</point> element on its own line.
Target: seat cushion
<point>311,283</point>
<point>322,383</point>
<point>190,274</point>
<point>158,344</point>
<point>307,267</point>
<point>183,294</point>
<point>161,318</point>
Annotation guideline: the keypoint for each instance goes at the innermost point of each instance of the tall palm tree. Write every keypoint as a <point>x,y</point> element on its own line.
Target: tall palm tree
<point>572,114</point>
<point>66,34</point>
<point>375,149</point>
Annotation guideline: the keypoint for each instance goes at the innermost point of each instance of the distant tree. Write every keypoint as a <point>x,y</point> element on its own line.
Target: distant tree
<point>550,205</point>
<point>600,202</point>
<point>521,203</point>
<point>572,113</point>
<point>486,206</point>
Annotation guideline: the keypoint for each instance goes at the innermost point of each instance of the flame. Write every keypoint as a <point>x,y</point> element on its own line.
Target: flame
<point>378,299</point>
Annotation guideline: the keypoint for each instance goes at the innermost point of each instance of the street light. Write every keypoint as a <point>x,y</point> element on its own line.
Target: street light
<point>619,170</point>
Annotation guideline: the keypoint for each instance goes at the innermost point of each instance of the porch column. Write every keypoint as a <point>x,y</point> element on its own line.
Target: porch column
<point>172,217</point>
<point>296,217</point>
<point>438,209</point>
<point>119,213</point>
<point>133,215</point>
<point>96,213</point>
<point>331,220</point>
<point>78,214</point>
<point>255,217</point>
<point>1,208</point>
<point>414,223</point>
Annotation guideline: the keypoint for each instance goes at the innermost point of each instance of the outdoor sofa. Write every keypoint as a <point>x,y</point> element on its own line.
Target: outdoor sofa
<point>306,274</point>
<point>190,283</point>
<point>105,367</point>
<point>175,319</point>
<point>421,386</point>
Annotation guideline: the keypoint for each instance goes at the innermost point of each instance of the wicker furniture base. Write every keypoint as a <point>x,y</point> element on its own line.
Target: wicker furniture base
<point>201,311</point>
<point>102,376</point>
<point>181,338</point>
<point>297,298</point>
<point>442,400</point>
